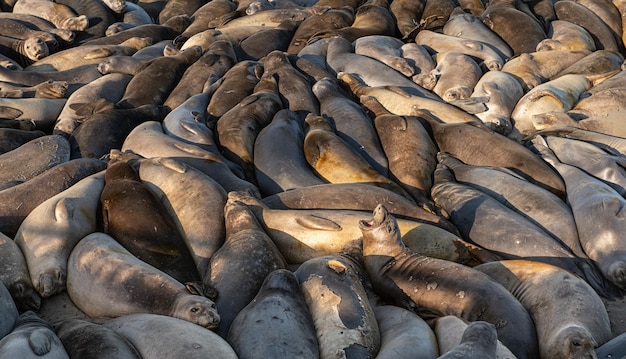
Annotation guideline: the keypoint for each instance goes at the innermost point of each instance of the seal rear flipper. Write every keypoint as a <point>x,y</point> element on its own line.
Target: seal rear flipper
<point>202,289</point>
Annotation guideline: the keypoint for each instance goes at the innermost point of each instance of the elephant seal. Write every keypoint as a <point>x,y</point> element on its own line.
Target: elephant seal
<point>371,18</point>
<point>353,196</point>
<point>351,122</point>
<point>67,217</point>
<point>167,70</point>
<point>404,335</point>
<point>75,78</point>
<point>410,151</point>
<point>293,86</point>
<point>14,276</point>
<point>83,339</point>
<point>441,287</point>
<point>8,311</point>
<point>148,140</point>
<point>239,82</point>
<point>614,348</point>
<point>407,14</point>
<point>32,337</point>
<point>157,336</point>
<point>40,113</point>
<point>237,269</point>
<point>133,15</point>
<point>540,206</point>
<point>586,194</point>
<point>464,203</point>
<point>238,128</point>
<point>326,21</point>
<point>18,201</point>
<point>214,62</point>
<point>479,340</point>
<point>25,52</point>
<point>157,32</point>
<point>558,95</point>
<point>456,75</point>
<point>259,44</point>
<point>33,158</point>
<point>279,161</point>
<point>124,194</point>
<point>11,138</point>
<point>105,127</point>
<point>577,13</point>
<point>566,35</point>
<point>186,192</point>
<point>478,146</point>
<point>343,317</point>
<point>334,160</point>
<point>471,27</point>
<point>569,325</point>
<point>83,55</point>
<point>291,334</point>
<point>62,16</point>
<point>98,258</point>
<point>503,91</point>
<point>47,89</point>
<point>592,159</point>
<point>304,234</point>
<point>110,87</point>
<point>504,19</point>
<point>440,43</point>
<point>449,330</point>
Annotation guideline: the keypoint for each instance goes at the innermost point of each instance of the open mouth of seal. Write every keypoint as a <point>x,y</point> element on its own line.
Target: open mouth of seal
<point>378,217</point>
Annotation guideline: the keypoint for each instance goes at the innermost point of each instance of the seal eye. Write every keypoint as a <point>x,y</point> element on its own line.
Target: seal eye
<point>389,228</point>
<point>213,306</point>
<point>194,310</point>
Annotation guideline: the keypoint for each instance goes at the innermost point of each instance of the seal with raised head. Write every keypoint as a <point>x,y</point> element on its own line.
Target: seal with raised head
<point>138,220</point>
<point>239,267</point>
<point>84,339</point>
<point>304,234</point>
<point>291,333</point>
<point>98,258</point>
<point>438,287</point>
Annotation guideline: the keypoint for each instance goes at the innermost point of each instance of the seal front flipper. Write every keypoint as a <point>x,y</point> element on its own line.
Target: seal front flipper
<point>40,341</point>
<point>472,105</point>
<point>10,113</point>
<point>316,222</point>
<point>99,53</point>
